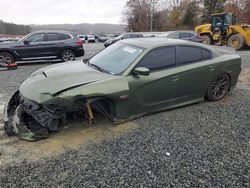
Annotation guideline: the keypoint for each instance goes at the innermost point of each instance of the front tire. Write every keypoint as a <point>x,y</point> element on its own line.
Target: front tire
<point>218,88</point>
<point>6,58</point>
<point>236,41</point>
<point>67,55</point>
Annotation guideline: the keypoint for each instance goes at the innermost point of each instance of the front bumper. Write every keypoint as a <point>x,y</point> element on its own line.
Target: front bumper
<point>29,120</point>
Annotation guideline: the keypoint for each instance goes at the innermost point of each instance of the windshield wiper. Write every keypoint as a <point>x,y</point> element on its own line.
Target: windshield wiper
<point>96,67</point>
<point>99,68</point>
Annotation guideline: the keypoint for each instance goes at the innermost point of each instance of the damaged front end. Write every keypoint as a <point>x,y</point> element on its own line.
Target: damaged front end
<point>29,120</point>
<point>32,121</point>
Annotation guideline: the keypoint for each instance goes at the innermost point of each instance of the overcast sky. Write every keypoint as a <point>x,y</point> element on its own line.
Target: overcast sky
<point>61,11</point>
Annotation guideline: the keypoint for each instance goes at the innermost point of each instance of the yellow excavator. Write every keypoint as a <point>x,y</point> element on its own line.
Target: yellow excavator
<point>223,30</point>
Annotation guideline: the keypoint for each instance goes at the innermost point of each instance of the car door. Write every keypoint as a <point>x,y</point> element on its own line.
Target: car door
<point>161,87</point>
<point>52,44</point>
<point>31,47</point>
<point>195,71</point>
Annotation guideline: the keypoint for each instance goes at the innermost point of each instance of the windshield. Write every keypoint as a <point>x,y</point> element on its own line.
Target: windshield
<point>116,58</point>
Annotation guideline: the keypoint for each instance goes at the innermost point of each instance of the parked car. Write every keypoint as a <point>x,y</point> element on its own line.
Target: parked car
<point>41,45</point>
<point>91,38</point>
<point>131,78</point>
<point>102,38</point>
<point>184,35</point>
<point>81,37</point>
<point>121,37</point>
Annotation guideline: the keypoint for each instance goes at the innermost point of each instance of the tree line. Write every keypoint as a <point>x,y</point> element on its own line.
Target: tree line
<point>163,15</point>
<point>14,29</point>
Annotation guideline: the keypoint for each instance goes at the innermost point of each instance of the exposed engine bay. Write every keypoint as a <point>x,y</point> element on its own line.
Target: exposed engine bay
<point>31,121</point>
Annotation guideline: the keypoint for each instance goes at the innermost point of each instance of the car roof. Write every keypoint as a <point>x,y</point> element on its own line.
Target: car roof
<point>153,42</point>
<point>150,43</point>
<point>53,31</point>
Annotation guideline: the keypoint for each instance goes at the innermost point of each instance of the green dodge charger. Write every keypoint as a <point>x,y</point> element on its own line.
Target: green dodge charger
<point>129,79</point>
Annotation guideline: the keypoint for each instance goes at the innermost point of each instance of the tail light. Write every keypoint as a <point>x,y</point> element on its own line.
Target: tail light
<point>79,42</point>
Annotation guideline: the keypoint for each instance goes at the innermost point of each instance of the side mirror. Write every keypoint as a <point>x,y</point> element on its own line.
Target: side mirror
<point>25,41</point>
<point>143,71</point>
<point>85,60</point>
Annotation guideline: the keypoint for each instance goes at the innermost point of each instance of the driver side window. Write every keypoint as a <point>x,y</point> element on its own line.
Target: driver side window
<point>159,59</point>
<point>217,21</point>
<point>39,37</point>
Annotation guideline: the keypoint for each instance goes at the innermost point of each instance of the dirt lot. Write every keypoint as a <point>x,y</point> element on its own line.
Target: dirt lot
<point>201,145</point>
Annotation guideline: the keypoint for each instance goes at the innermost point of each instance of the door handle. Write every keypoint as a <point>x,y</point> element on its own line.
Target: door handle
<point>175,78</point>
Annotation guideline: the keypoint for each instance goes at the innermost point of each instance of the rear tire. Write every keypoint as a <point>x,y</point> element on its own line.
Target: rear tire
<point>6,58</point>
<point>236,41</point>
<point>206,39</point>
<point>218,87</point>
<point>68,55</point>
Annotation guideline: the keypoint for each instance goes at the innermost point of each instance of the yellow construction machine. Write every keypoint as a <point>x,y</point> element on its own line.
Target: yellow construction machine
<point>223,30</point>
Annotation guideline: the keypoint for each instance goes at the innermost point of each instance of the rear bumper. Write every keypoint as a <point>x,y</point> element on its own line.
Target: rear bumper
<point>79,52</point>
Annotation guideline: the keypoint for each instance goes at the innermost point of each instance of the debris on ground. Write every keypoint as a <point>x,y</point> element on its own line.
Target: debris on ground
<point>4,67</point>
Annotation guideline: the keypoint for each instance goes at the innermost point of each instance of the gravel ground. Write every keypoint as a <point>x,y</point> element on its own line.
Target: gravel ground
<point>201,145</point>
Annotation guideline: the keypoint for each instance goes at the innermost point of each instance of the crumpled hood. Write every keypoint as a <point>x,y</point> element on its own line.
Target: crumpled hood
<point>56,78</point>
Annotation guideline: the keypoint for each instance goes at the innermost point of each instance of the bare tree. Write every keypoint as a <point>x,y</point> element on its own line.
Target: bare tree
<point>178,10</point>
<point>237,7</point>
<point>210,7</point>
<point>153,4</point>
<point>148,15</point>
<point>247,12</point>
<point>140,14</point>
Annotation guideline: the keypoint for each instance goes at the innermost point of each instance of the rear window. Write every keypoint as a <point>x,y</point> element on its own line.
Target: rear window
<point>189,54</point>
<point>206,54</point>
<point>62,36</point>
